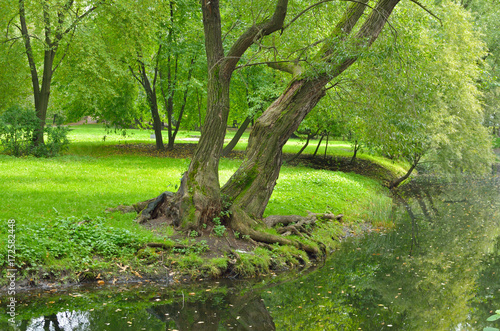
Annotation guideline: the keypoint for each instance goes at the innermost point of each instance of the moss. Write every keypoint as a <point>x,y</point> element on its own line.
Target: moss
<point>189,262</point>
<point>254,263</point>
<point>246,180</point>
<point>289,256</point>
<point>216,266</point>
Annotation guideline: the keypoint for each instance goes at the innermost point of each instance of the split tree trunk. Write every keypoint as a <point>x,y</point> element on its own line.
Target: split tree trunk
<point>41,93</point>
<point>200,201</point>
<point>253,183</point>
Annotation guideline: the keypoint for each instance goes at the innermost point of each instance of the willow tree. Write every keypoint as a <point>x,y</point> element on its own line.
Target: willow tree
<point>199,198</point>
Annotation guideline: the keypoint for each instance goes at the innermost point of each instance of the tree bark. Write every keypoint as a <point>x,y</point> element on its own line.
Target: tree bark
<point>319,144</point>
<point>201,201</point>
<point>253,183</point>
<point>356,149</point>
<point>150,90</point>
<point>326,146</point>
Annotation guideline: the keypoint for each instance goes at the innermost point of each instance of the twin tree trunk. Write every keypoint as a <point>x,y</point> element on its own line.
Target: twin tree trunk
<point>199,197</point>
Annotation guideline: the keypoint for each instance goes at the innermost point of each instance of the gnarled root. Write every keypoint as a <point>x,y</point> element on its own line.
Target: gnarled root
<point>242,223</point>
<point>294,224</point>
<point>153,208</point>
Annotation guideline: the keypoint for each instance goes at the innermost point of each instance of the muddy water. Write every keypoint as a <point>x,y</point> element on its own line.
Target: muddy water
<point>438,269</point>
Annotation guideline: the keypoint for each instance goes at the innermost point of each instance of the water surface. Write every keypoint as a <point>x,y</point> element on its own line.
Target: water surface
<point>437,270</point>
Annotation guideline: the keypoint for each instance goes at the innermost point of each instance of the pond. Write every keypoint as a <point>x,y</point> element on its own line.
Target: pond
<point>438,269</point>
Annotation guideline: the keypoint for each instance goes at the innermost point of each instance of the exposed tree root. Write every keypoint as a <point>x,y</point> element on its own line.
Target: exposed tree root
<point>166,205</point>
<point>153,207</point>
<point>298,225</point>
<point>242,223</point>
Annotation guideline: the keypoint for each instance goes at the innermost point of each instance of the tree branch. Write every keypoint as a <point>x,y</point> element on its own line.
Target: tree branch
<point>65,52</point>
<point>156,66</point>
<point>279,65</point>
<point>134,75</point>
<point>46,22</point>
<point>317,4</point>
<point>29,50</point>
<point>427,10</point>
<point>255,32</point>
<point>81,17</point>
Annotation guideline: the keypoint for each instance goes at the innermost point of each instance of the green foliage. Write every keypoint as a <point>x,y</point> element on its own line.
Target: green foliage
<point>418,95</point>
<point>218,229</point>
<point>71,239</point>
<point>17,131</point>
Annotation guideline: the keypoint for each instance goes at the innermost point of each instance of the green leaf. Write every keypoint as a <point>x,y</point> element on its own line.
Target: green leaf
<point>493,318</point>
<point>490,329</point>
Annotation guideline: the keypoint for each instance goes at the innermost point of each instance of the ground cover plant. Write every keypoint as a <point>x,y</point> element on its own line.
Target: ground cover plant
<point>64,233</point>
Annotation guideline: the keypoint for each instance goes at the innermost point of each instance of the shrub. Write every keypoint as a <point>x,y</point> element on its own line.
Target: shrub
<point>18,128</point>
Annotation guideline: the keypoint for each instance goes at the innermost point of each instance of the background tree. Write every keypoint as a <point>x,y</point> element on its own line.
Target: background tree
<point>180,63</point>
<point>422,95</point>
<point>46,30</point>
<point>14,76</point>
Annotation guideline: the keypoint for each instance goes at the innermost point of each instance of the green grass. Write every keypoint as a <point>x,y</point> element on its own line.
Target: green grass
<point>47,197</point>
<point>90,138</point>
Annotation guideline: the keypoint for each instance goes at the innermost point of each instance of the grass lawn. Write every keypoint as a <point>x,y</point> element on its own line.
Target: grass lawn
<point>59,203</point>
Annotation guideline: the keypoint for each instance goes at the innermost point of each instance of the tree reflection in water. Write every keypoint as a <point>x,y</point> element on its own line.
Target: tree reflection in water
<point>438,270</point>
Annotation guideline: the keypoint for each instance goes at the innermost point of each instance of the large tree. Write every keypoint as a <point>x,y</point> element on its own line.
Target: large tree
<point>199,199</point>
<point>46,28</point>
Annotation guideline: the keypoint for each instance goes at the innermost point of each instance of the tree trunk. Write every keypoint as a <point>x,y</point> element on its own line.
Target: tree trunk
<point>229,147</point>
<point>201,201</point>
<point>309,136</point>
<point>153,105</point>
<point>157,124</point>
<point>173,134</point>
<point>41,94</point>
<point>42,101</point>
<point>399,180</point>
<point>253,183</point>
<point>326,147</point>
<point>169,98</point>
<point>356,149</point>
<point>319,144</point>
<point>251,186</point>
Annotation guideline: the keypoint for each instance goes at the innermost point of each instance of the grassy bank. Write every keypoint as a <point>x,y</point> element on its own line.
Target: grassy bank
<point>63,233</point>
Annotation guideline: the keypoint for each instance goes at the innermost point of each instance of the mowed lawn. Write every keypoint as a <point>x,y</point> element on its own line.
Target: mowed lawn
<point>92,176</point>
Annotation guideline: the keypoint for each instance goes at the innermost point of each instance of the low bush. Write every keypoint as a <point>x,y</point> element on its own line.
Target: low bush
<point>18,129</point>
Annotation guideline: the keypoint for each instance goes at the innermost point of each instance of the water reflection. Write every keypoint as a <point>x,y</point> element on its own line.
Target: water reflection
<point>437,271</point>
